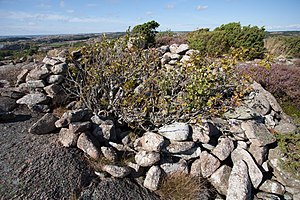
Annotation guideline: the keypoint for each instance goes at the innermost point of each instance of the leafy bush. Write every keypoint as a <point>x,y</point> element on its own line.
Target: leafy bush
<point>281,80</point>
<point>133,86</point>
<point>179,186</point>
<point>288,46</point>
<point>221,40</point>
<point>146,31</point>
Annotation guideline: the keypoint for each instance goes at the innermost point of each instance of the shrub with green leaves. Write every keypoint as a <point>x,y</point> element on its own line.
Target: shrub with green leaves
<point>146,31</point>
<point>232,35</point>
<point>133,86</point>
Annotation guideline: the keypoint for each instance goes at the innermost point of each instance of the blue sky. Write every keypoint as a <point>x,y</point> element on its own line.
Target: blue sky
<point>23,17</point>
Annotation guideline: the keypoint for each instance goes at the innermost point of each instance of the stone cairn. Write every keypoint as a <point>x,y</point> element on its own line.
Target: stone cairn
<point>237,153</point>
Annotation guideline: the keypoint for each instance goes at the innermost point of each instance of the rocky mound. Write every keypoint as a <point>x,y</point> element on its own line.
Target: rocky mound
<point>238,153</point>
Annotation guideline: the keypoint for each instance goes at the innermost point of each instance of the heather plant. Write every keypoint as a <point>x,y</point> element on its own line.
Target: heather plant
<point>229,36</point>
<point>281,80</point>
<point>133,86</point>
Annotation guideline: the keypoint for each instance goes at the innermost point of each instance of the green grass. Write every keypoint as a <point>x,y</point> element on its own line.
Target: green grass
<point>292,111</point>
<point>289,144</point>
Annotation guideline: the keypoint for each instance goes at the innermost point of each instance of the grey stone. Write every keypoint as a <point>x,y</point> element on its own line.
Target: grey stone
<point>44,125</point>
<point>53,90</point>
<point>242,113</point>
<point>199,134</point>
<point>146,159</point>
<point>260,153</point>
<point>68,138</point>
<point>31,84</point>
<point>185,59</point>
<point>173,48</point>
<point>171,168</point>
<point>108,130</point>
<point>32,99</point>
<point>282,175</point>
<point>255,174</point>
<point>21,78</point>
<point>260,103</point>
<point>120,147</point>
<point>179,147</point>
<point>285,127</point>
<point>219,179</point>
<point>271,99</point>
<point>51,61</point>
<point>239,185</point>
<point>77,127</point>
<point>242,145</point>
<point>190,154</point>
<point>149,142</point>
<point>12,93</point>
<point>223,149</point>
<point>208,147</point>
<point>71,116</point>
<point>258,133</point>
<point>196,168</point>
<point>191,51</point>
<point>209,164</point>
<point>163,49</point>
<point>267,196</point>
<point>55,79</point>
<point>175,56</point>
<point>265,166</point>
<point>109,153</point>
<point>59,68</point>
<point>117,171</point>
<point>173,62</point>
<point>37,73</point>
<point>136,170</point>
<point>153,178</point>
<point>166,58</point>
<point>88,145</point>
<point>176,131</point>
<point>182,49</point>
<point>271,186</point>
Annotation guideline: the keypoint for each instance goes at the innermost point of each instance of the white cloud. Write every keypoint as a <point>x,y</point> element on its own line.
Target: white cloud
<point>149,13</point>
<point>62,3</point>
<point>200,8</point>
<point>170,6</point>
<point>284,27</point>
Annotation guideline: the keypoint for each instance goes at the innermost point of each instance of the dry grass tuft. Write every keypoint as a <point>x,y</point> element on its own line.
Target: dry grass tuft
<point>180,186</point>
<point>59,111</point>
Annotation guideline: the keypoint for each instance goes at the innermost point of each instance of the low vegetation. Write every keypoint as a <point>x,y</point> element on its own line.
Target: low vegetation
<point>132,85</point>
<point>290,146</point>
<point>287,46</point>
<point>179,186</point>
<point>227,37</point>
<point>281,80</point>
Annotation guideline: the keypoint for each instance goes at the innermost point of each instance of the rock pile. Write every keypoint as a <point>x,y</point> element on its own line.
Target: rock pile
<point>237,153</point>
<point>42,85</point>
